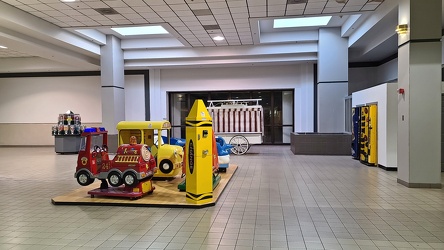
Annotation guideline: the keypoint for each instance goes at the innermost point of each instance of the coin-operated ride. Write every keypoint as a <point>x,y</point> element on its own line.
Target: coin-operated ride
<point>133,166</point>
<point>216,161</point>
<point>155,134</point>
<point>200,145</point>
<point>223,152</point>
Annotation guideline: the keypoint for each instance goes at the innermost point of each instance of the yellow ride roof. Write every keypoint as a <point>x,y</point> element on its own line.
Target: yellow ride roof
<point>143,125</point>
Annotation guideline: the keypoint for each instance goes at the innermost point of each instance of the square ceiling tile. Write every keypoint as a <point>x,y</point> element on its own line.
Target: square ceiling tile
<point>177,7</point>
<point>124,10</point>
<point>218,5</point>
<point>332,10</point>
<point>234,3</point>
<point>313,11</point>
<point>239,10</point>
<point>297,6</point>
<point>220,11</point>
<point>256,2</point>
<point>198,6</point>
<point>294,12</point>
<point>60,6</point>
<point>352,8</point>
<point>182,13</point>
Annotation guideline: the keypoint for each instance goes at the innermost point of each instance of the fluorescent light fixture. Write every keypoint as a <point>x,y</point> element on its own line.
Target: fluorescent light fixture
<point>218,38</point>
<point>140,30</point>
<point>67,1</point>
<point>301,22</point>
<point>3,47</point>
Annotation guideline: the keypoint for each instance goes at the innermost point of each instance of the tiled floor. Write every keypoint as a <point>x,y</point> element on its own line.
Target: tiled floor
<point>276,200</point>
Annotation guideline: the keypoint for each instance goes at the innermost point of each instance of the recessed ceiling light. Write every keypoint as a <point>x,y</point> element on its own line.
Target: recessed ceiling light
<point>218,38</point>
<point>140,30</point>
<point>3,47</point>
<point>301,22</point>
<point>67,1</point>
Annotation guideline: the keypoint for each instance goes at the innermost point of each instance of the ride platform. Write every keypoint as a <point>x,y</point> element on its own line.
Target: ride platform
<point>216,179</point>
<point>166,194</point>
<point>136,192</point>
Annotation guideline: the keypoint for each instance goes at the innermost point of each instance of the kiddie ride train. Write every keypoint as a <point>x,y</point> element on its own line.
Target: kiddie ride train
<point>131,171</point>
<point>134,166</point>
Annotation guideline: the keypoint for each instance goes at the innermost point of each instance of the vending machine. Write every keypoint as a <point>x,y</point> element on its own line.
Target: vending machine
<point>373,136</point>
<point>368,138</point>
<point>363,139</point>
<point>355,146</point>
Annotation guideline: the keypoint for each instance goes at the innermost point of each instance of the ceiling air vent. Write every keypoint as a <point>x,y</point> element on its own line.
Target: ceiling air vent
<point>107,11</point>
<point>296,1</point>
<point>211,27</point>
<point>203,12</point>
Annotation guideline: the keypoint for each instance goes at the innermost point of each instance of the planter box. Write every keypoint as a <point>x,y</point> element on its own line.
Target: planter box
<point>321,143</point>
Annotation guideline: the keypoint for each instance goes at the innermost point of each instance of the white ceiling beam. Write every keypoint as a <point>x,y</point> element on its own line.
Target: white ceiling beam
<point>285,37</point>
<point>221,62</point>
<point>20,21</point>
<point>150,43</point>
<point>384,9</point>
<point>352,23</point>
<point>93,35</point>
<point>35,64</point>
<point>32,46</point>
<point>222,52</point>
<point>378,37</point>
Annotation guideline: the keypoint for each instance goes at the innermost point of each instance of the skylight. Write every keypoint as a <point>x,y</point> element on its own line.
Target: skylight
<point>140,30</point>
<point>301,22</point>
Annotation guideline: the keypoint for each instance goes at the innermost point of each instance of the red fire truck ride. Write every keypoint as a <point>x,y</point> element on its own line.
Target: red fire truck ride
<point>132,164</point>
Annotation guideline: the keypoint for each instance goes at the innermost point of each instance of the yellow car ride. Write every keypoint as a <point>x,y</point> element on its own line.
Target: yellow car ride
<point>169,158</point>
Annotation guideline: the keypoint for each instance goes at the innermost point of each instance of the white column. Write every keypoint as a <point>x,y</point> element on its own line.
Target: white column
<point>113,84</point>
<point>332,85</point>
<point>419,108</point>
<point>158,98</point>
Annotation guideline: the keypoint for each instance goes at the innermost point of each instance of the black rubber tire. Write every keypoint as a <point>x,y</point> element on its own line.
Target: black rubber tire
<point>84,179</point>
<point>114,179</point>
<point>166,166</point>
<point>130,179</point>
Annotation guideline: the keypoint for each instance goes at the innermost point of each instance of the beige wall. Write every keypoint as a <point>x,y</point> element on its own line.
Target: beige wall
<point>32,134</point>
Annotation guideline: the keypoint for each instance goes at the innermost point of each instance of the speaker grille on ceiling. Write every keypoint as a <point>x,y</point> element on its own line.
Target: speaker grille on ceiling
<point>211,27</point>
<point>107,11</point>
<point>296,1</point>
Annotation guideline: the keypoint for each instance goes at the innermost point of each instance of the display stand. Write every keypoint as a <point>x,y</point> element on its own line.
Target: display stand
<point>67,133</point>
<point>67,143</point>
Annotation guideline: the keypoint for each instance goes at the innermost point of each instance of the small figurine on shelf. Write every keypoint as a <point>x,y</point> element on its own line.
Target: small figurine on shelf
<point>60,130</point>
<point>68,124</point>
<point>54,130</point>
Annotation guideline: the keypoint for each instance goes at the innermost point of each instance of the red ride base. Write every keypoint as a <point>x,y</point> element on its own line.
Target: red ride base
<point>125,191</point>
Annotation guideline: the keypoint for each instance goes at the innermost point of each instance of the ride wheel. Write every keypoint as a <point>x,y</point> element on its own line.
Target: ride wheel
<point>240,145</point>
<point>114,179</point>
<point>130,179</point>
